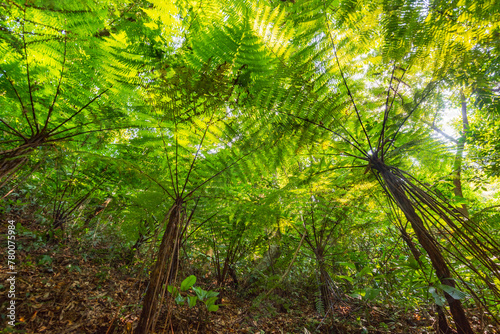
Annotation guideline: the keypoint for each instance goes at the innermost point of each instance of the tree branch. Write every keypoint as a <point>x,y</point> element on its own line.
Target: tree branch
<point>442,133</point>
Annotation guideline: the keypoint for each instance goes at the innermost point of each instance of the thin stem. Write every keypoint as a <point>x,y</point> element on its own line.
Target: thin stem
<point>139,169</point>
<point>28,74</point>
<point>79,111</point>
<point>345,81</point>
<point>327,129</point>
<point>188,221</point>
<point>58,139</point>
<point>14,131</point>
<point>386,115</point>
<point>21,102</point>
<point>386,111</point>
<point>196,155</point>
<point>441,132</point>
<point>408,116</point>
<point>84,125</point>
<point>221,171</point>
<point>168,161</point>
<point>176,189</point>
<point>51,108</point>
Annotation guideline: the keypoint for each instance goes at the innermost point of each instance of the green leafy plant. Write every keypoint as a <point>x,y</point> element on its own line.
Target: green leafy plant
<point>45,260</point>
<point>438,290</point>
<point>182,295</point>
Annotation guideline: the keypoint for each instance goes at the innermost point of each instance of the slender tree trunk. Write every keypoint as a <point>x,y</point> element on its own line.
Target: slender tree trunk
<point>324,280</point>
<point>225,269</point>
<point>232,273</point>
<point>162,273</point>
<point>457,165</point>
<point>429,244</point>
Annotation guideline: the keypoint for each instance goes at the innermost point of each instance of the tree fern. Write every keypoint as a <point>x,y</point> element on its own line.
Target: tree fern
<point>56,75</point>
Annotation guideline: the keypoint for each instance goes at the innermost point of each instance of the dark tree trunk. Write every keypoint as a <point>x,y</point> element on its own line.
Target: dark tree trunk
<point>429,244</point>
<point>324,281</point>
<point>222,277</point>
<point>232,273</point>
<point>164,270</point>
<point>442,323</point>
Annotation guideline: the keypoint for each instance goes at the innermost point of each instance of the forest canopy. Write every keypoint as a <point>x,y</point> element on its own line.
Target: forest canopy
<point>342,152</point>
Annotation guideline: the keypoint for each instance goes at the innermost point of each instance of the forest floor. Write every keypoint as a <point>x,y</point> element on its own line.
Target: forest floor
<point>61,289</point>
